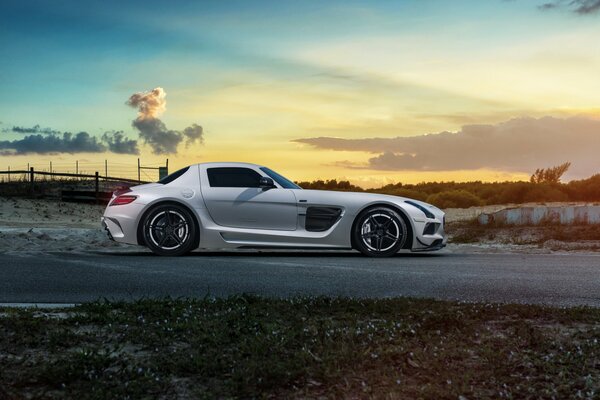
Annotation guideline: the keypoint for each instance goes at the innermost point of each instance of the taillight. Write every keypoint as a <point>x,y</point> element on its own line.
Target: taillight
<point>121,200</point>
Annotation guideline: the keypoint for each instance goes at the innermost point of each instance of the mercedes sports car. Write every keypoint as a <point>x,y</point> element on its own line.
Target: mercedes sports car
<point>239,205</point>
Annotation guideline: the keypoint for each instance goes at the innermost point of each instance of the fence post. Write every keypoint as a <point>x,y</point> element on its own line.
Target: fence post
<point>97,187</point>
<point>31,178</point>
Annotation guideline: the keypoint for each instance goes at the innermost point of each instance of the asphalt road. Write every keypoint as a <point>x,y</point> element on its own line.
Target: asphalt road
<point>566,280</point>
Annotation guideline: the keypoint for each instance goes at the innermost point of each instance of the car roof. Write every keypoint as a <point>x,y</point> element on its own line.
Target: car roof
<point>228,164</point>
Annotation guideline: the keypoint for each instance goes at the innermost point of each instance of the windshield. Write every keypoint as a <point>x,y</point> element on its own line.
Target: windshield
<point>281,180</point>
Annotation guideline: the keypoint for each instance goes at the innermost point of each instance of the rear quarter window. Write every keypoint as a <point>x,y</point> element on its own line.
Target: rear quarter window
<point>173,176</point>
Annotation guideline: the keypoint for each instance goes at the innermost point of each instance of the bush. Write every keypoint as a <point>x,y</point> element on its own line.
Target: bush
<point>410,193</point>
<point>545,192</point>
<point>454,199</point>
<point>585,189</point>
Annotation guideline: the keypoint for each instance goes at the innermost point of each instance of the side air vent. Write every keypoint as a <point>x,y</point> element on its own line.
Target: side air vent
<point>319,219</point>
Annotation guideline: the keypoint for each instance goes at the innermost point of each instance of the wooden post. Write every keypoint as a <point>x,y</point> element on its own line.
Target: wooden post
<point>167,165</point>
<point>9,174</point>
<point>97,187</point>
<point>139,178</point>
<point>31,177</point>
<point>51,177</point>
<point>105,168</point>
<point>77,166</point>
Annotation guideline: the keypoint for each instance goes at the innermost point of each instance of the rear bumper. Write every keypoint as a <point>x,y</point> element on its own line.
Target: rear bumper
<point>120,222</point>
<point>105,227</point>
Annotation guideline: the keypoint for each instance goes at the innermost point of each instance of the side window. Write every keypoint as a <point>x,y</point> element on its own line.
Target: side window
<point>233,177</point>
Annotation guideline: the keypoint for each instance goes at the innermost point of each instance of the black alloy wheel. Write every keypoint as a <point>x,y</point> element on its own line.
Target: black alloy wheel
<point>169,230</point>
<point>380,232</point>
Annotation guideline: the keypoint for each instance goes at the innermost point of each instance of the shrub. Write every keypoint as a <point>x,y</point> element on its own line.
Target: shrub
<point>545,192</point>
<point>454,199</point>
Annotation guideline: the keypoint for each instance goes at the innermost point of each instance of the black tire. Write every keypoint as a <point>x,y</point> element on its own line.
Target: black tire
<point>379,232</point>
<point>169,230</point>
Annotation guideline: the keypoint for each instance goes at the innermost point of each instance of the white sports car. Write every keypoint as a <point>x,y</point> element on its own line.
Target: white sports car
<point>239,205</point>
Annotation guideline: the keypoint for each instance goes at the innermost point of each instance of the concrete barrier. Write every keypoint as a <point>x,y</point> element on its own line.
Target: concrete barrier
<point>587,214</point>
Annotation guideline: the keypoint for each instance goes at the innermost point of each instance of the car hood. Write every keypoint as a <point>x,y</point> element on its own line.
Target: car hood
<point>357,198</point>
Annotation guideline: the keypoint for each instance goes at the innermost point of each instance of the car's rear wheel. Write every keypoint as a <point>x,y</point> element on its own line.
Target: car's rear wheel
<point>379,232</point>
<point>169,230</point>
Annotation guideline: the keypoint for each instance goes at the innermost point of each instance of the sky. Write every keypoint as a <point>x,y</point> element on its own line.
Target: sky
<point>374,92</point>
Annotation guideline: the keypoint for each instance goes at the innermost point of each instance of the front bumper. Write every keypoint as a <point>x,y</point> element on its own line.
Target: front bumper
<point>437,244</point>
<point>430,234</point>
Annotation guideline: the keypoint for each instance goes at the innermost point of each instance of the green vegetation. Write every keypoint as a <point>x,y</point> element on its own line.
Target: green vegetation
<point>467,194</point>
<point>252,347</point>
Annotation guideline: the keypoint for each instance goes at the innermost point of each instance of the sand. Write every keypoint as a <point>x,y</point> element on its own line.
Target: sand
<point>48,225</point>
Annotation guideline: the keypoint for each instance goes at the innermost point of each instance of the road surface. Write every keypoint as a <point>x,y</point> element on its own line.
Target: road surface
<point>565,280</point>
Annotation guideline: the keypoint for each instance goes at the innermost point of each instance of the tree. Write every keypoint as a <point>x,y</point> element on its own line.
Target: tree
<point>550,175</point>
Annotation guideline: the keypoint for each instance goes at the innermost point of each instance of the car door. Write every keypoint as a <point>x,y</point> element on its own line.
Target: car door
<point>234,199</point>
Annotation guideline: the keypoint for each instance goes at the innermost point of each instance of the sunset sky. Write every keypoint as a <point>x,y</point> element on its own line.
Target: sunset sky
<point>313,89</point>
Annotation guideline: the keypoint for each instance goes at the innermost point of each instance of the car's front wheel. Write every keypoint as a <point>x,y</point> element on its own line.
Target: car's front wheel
<point>169,230</point>
<point>379,232</point>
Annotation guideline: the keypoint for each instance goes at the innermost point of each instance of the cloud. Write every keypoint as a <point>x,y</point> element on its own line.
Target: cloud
<point>155,134</point>
<point>193,133</point>
<point>118,143</point>
<point>582,7</point>
<point>33,129</point>
<point>518,145</point>
<point>49,141</point>
<point>80,142</point>
<point>152,130</point>
<point>149,104</point>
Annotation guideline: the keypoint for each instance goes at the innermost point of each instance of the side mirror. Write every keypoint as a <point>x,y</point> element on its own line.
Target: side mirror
<point>266,183</point>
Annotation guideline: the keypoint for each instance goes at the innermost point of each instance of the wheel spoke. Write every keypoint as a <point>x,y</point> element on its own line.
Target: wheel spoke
<point>176,238</point>
<point>387,224</point>
<point>367,235</point>
<point>179,225</point>
<point>159,228</point>
<point>373,222</point>
<point>390,236</point>
<point>379,243</point>
<point>163,240</point>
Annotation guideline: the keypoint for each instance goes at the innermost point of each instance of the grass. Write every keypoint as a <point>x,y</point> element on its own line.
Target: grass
<point>253,347</point>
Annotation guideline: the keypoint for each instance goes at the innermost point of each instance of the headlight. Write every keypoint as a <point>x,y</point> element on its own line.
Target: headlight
<point>427,213</point>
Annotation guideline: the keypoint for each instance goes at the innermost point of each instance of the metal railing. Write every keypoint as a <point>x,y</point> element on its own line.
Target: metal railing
<point>29,176</point>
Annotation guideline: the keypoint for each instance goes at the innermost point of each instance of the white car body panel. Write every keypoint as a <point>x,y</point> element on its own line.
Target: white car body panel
<point>254,217</point>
